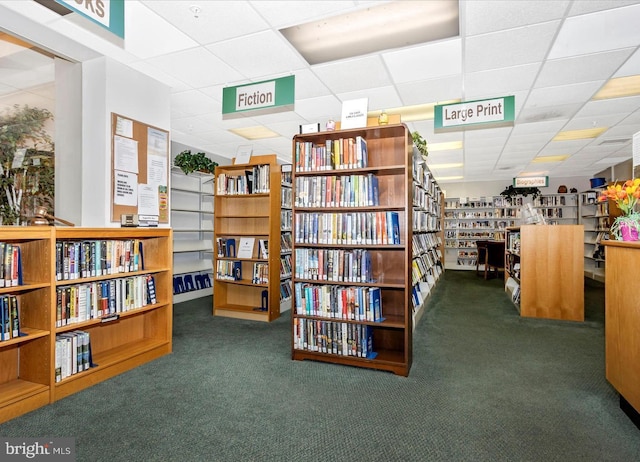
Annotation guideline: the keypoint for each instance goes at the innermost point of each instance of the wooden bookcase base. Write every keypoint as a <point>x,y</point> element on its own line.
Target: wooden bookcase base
<point>628,409</point>
<point>20,397</point>
<point>242,314</point>
<point>108,366</point>
<point>389,361</point>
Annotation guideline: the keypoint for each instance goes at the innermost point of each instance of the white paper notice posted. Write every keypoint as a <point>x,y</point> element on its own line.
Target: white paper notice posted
<point>354,113</point>
<point>126,188</point>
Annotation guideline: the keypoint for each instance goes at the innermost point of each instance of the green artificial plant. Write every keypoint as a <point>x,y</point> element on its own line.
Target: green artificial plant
<point>198,162</point>
<point>420,143</point>
<point>510,192</point>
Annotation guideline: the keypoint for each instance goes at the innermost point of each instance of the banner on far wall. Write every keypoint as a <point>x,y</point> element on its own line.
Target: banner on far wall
<point>486,113</point>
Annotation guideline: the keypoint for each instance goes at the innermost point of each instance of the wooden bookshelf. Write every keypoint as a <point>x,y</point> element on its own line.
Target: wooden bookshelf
<point>324,334</point>
<point>27,362</point>
<point>546,263</point>
<point>254,215</point>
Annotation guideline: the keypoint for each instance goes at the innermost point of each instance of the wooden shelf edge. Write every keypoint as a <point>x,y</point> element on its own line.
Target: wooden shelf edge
<point>20,397</point>
<point>32,334</point>
<point>385,360</point>
<point>98,321</point>
<point>112,363</point>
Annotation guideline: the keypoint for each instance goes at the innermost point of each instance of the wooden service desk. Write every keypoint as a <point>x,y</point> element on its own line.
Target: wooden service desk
<point>622,324</point>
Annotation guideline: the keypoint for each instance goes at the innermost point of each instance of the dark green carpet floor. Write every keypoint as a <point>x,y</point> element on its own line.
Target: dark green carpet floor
<point>486,385</point>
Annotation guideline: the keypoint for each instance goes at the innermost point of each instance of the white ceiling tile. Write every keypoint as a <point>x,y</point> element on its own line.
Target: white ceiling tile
<point>424,62</point>
<point>430,91</point>
<point>319,108</point>
<point>379,98</point>
<point>281,13</point>
<point>262,54</point>
<point>196,67</point>
<point>216,21</point>
<point>193,102</point>
<point>604,31</point>
<point>308,85</point>
<point>606,107</point>
<point>587,68</point>
<point>504,49</point>
<point>149,34</point>
<point>561,112</point>
<point>631,67</point>
<point>563,94</point>
<point>503,81</point>
<point>493,15</point>
<point>176,85</point>
<point>353,74</point>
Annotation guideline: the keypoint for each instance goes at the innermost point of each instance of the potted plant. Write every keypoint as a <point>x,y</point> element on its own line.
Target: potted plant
<point>626,226</point>
<point>420,143</point>
<point>198,162</point>
<point>511,191</point>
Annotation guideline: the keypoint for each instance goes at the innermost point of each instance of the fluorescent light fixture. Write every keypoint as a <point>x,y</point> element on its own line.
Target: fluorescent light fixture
<point>391,25</point>
<point>543,159</point>
<point>620,87</point>
<point>254,133</point>
<point>441,166</point>
<point>447,146</point>
<point>584,134</point>
<point>448,178</point>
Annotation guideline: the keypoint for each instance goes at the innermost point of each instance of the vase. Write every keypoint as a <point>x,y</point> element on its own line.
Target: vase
<point>628,233</point>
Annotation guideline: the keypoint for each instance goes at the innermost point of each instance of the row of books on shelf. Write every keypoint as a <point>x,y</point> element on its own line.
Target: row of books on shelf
<point>90,258</point>
<point>286,243</point>
<point>229,247</point>
<point>423,176</point>
<point>340,153</point>
<point>72,354</point>
<point>338,302</point>
<point>372,228</point>
<point>421,290</point>
<point>94,300</point>
<point>229,270</point>
<point>10,265</point>
<point>513,290</point>
<point>424,200</point>
<point>425,221</point>
<point>285,266</point>
<point>513,242</point>
<point>337,191</point>
<point>285,290</point>
<point>9,317</point>
<point>338,265</point>
<point>286,174</point>
<point>425,241</point>
<point>337,338</point>
<point>423,266</point>
<point>555,201</point>
<point>286,220</point>
<point>254,180</point>
<point>286,196</point>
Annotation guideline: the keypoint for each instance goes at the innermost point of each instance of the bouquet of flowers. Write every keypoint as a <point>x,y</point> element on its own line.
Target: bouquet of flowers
<point>625,196</point>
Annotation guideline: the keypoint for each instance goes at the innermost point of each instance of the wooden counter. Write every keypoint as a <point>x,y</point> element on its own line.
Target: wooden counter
<point>622,323</point>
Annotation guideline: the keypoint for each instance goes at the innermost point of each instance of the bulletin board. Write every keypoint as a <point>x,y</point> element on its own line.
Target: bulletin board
<point>139,169</point>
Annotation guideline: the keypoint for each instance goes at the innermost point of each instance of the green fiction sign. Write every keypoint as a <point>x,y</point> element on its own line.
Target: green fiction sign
<point>486,113</point>
<point>106,13</point>
<point>264,97</point>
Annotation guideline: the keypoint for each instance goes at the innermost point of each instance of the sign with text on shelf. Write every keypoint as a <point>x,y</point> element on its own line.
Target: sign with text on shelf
<point>486,113</point>
<point>266,97</point>
<point>531,181</point>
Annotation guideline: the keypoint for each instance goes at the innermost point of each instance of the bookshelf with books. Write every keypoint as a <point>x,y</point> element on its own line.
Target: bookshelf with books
<point>192,222</point>
<point>352,248</point>
<point>468,220</point>
<point>544,271</point>
<point>286,218</point>
<point>247,236</point>
<point>594,215</point>
<point>118,290</point>
<point>427,240</point>
<point>25,382</point>
<point>558,209</point>
<point>52,278</point>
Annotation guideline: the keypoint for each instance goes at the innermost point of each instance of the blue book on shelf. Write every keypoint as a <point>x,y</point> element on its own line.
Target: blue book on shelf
<point>230,248</point>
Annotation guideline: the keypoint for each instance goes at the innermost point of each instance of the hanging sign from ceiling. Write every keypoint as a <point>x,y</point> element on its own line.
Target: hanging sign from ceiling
<point>485,113</point>
<point>268,96</point>
<point>531,181</point>
<point>107,13</point>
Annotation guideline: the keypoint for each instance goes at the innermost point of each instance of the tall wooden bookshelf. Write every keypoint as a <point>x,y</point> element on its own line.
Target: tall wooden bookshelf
<point>254,213</point>
<point>119,341</point>
<point>334,311</point>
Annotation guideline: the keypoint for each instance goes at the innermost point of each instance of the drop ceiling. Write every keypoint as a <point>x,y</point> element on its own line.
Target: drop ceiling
<point>553,56</point>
